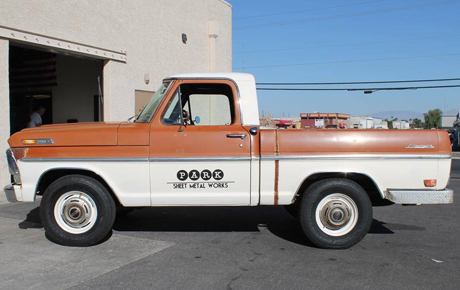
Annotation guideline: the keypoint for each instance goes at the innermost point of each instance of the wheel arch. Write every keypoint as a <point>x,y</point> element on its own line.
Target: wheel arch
<point>51,175</point>
<point>362,179</point>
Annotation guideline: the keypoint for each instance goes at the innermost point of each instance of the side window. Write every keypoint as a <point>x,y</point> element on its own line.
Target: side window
<point>202,105</point>
<point>211,110</point>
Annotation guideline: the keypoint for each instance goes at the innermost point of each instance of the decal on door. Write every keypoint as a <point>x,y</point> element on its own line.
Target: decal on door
<point>200,179</point>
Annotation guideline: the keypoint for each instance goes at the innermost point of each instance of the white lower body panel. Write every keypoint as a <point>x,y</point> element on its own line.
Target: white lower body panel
<point>128,180</point>
<point>386,173</point>
<point>198,185</point>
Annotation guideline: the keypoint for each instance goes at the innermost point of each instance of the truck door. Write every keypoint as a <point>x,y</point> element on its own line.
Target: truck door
<point>199,151</point>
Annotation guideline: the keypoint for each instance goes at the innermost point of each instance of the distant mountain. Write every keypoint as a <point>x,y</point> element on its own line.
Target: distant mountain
<point>401,115</point>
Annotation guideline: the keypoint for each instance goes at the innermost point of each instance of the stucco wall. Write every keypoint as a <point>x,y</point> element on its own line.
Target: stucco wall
<point>150,31</point>
<point>4,115</point>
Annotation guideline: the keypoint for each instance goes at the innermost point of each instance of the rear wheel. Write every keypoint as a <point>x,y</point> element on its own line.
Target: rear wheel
<point>77,210</point>
<point>335,213</point>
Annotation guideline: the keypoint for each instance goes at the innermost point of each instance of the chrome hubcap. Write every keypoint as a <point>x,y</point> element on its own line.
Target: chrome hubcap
<point>336,214</point>
<point>75,212</point>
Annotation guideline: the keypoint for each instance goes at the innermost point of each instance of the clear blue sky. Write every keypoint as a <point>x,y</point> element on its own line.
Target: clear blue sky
<point>333,42</point>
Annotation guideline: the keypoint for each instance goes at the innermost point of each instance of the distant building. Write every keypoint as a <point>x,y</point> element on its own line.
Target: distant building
<point>281,123</point>
<point>358,122</point>
<point>447,121</point>
<point>380,124</point>
<point>402,125</point>
<point>323,120</point>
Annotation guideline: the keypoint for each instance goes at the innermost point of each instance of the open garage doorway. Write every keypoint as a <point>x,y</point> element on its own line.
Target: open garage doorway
<point>67,86</point>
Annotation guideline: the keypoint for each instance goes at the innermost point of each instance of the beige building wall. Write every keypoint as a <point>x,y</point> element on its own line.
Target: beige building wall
<point>4,115</point>
<point>150,31</point>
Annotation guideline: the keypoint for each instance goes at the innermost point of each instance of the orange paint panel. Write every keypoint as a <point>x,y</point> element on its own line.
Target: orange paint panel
<point>444,142</point>
<point>89,152</point>
<point>133,134</point>
<point>198,141</point>
<point>255,141</point>
<point>267,142</point>
<point>312,142</point>
<point>75,134</point>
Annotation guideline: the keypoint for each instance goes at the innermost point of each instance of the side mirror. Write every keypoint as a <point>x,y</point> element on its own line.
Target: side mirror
<point>197,120</point>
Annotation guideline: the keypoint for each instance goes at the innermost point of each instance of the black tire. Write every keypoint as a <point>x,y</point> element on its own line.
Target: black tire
<point>99,199</point>
<point>335,196</point>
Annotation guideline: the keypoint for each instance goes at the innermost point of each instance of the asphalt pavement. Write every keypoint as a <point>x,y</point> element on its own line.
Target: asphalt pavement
<point>408,247</point>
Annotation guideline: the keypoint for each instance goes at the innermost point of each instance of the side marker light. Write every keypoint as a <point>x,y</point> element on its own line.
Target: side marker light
<point>430,182</point>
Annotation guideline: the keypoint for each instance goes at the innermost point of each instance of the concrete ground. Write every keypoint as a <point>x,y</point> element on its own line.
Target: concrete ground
<point>235,248</point>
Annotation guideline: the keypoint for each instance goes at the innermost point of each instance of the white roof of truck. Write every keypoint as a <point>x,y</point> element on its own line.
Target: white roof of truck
<point>226,75</point>
<point>247,92</point>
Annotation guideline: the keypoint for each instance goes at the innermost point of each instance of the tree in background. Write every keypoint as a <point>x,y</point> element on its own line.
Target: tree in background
<point>417,123</point>
<point>390,122</point>
<point>433,118</point>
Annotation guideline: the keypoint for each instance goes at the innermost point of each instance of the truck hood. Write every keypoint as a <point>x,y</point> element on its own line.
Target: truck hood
<point>76,134</point>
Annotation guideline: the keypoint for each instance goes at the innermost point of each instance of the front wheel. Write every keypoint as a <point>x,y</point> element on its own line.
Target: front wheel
<point>77,210</point>
<point>335,213</point>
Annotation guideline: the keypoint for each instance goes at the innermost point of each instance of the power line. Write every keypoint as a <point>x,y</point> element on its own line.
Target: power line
<point>350,61</point>
<point>360,89</point>
<point>308,10</point>
<point>355,83</point>
<point>378,11</point>
<point>345,44</point>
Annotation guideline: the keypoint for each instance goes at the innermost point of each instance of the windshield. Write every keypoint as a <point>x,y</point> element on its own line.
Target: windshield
<point>149,109</point>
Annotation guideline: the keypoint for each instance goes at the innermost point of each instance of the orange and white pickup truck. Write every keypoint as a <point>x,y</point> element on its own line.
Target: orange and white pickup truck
<point>198,142</point>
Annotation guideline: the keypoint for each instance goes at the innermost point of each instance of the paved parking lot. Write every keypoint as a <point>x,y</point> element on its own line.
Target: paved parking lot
<point>235,248</point>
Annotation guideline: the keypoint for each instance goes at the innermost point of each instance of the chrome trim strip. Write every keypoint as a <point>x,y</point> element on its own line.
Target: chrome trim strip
<point>141,159</point>
<point>355,156</point>
<point>117,159</point>
<point>198,159</point>
<point>244,158</point>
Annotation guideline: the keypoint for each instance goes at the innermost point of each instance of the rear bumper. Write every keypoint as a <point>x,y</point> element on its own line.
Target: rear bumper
<point>11,192</point>
<point>420,196</point>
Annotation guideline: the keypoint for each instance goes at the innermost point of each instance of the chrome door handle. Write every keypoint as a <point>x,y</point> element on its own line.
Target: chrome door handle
<point>242,136</point>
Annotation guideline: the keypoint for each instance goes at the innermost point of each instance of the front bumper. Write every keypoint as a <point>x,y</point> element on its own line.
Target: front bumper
<point>12,191</point>
<point>420,196</point>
